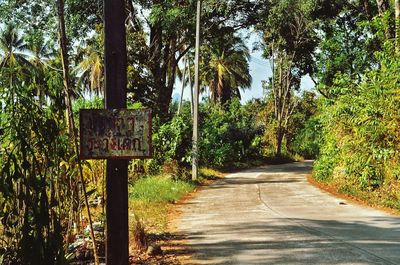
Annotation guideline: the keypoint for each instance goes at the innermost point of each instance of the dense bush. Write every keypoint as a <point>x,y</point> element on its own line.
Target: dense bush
<point>307,141</point>
<point>172,140</point>
<point>361,135</point>
<point>34,195</point>
<point>228,134</point>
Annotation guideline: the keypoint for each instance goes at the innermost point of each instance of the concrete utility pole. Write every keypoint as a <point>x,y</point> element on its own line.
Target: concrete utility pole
<point>117,243</point>
<point>195,156</point>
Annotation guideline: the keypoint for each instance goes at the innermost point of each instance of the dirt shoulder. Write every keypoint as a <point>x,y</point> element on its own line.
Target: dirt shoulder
<point>175,250</point>
<point>332,189</point>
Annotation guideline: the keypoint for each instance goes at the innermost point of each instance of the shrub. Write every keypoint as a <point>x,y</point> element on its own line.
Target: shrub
<point>307,142</point>
<point>227,134</point>
<point>361,128</point>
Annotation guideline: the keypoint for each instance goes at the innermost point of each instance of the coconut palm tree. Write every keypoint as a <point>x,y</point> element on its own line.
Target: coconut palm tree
<point>90,71</point>
<point>225,69</point>
<point>13,59</point>
<point>12,47</point>
<point>40,54</point>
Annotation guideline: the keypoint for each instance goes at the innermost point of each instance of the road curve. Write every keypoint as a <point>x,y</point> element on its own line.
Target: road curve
<point>271,215</point>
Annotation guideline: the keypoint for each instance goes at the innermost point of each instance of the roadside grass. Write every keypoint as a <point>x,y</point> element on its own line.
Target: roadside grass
<point>150,198</point>
<point>159,189</point>
<point>207,175</point>
<point>386,198</point>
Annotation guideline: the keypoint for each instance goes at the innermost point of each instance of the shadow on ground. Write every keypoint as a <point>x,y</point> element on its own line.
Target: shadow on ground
<point>269,238</point>
<point>307,241</point>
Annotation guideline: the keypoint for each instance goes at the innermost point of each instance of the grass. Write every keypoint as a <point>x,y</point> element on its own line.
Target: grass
<point>208,174</point>
<point>160,189</point>
<point>386,197</point>
<point>150,199</point>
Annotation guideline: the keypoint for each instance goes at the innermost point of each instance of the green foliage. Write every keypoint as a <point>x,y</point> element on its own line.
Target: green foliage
<point>361,136</point>
<point>228,134</point>
<point>82,103</point>
<point>172,140</point>
<point>33,145</point>
<point>289,31</point>
<point>347,48</point>
<point>159,189</point>
<point>307,141</point>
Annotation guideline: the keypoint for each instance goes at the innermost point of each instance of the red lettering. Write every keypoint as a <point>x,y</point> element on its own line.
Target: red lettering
<point>113,144</point>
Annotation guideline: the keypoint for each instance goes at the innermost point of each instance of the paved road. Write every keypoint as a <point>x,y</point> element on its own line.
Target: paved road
<point>271,215</point>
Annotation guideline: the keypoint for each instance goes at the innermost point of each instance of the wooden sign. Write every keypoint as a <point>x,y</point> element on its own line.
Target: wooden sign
<point>117,134</point>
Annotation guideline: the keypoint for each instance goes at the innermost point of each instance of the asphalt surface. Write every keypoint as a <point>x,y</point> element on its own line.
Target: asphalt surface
<point>272,215</point>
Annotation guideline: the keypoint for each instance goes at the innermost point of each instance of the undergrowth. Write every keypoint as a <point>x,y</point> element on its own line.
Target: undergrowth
<point>159,189</point>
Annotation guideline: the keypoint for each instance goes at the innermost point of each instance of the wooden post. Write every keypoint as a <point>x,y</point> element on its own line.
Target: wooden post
<point>117,238</point>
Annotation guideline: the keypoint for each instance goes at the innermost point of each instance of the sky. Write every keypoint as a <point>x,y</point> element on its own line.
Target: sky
<point>260,70</point>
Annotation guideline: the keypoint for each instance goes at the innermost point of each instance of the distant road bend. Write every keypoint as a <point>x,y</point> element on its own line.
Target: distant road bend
<point>271,215</point>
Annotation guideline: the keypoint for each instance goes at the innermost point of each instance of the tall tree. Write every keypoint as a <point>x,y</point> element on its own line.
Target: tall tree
<point>225,66</point>
<point>290,41</point>
<point>12,46</point>
<point>90,70</point>
<point>171,24</point>
<point>41,53</point>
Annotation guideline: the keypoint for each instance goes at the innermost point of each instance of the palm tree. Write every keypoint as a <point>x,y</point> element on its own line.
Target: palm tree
<point>90,71</point>
<point>40,55</point>
<point>12,47</point>
<point>226,68</point>
<point>13,62</point>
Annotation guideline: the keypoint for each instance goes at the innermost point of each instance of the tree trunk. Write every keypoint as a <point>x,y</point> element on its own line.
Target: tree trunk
<point>279,139</point>
<point>132,17</point>
<point>67,86</point>
<point>183,87</point>
<point>155,59</point>
<point>367,10</point>
<point>383,6</point>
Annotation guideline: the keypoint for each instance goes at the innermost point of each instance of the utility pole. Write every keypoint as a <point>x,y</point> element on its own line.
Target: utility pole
<point>195,156</point>
<point>117,243</point>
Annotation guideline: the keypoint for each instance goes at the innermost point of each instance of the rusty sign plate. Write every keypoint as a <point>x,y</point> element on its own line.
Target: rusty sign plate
<point>117,134</point>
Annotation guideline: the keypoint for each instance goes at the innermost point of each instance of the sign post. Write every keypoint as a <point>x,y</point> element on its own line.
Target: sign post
<point>117,236</point>
<point>115,134</point>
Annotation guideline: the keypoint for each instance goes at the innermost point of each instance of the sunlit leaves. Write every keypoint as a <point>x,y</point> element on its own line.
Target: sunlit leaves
<point>31,124</point>
<point>362,127</point>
